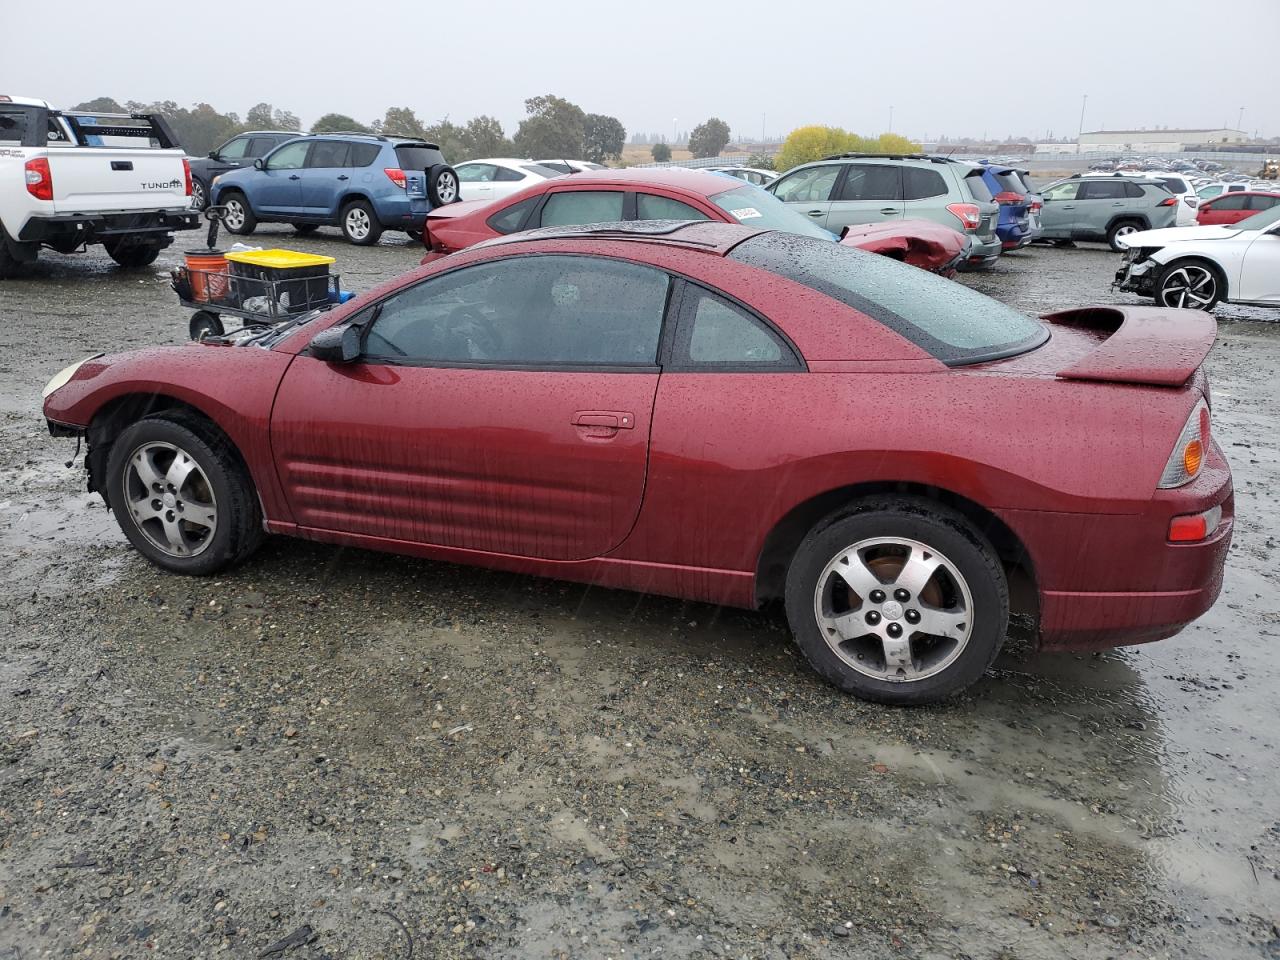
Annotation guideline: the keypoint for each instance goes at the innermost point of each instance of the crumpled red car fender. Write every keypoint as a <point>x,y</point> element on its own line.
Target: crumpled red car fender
<point>921,243</point>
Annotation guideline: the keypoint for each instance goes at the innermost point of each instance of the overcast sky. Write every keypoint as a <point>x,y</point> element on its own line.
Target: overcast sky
<point>945,67</point>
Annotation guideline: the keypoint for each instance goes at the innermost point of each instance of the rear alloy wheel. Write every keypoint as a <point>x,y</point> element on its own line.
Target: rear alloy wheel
<point>1190,285</point>
<point>1118,232</point>
<point>900,601</point>
<point>237,215</point>
<point>359,224</point>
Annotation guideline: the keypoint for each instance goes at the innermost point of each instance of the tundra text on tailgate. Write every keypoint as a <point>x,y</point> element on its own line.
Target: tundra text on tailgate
<point>71,179</point>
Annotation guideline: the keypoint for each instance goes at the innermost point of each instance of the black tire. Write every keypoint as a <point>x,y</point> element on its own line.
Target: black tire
<point>415,235</point>
<point>238,530</point>
<point>359,223</point>
<point>238,211</point>
<point>1190,271</point>
<point>442,185</point>
<point>204,324</point>
<point>305,228</point>
<point>199,194</point>
<point>1064,244</point>
<point>11,265</point>
<point>1119,229</point>
<point>944,533</point>
<point>131,256</point>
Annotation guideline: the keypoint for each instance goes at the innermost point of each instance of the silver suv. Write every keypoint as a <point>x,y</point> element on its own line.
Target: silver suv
<point>855,188</point>
<point>1105,208</point>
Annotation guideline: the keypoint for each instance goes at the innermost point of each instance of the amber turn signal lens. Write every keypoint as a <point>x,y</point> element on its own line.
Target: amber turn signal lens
<point>1192,457</point>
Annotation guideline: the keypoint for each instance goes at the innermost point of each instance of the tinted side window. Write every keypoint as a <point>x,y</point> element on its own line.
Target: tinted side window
<point>1232,203</point>
<point>1063,191</point>
<point>870,181</point>
<point>531,310</point>
<point>363,154</point>
<point>476,172</point>
<point>236,149</point>
<point>506,175</point>
<point>290,156</point>
<point>582,206</point>
<point>807,186</point>
<point>1133,191</point>
<point>651,207</point>
<point>1103,190</point>
<point>917,184</point>
<point>327,153</point>
<point>721,333</point>
<point>1262,202</point>
<point>512,218</point>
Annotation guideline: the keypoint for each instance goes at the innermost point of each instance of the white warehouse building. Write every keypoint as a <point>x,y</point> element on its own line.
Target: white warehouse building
<point>1156,140</point>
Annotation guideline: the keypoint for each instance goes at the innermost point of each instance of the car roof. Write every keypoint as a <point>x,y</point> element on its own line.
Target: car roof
<point>510,161</point>
<point>701,182</point>
<point>706,236</point>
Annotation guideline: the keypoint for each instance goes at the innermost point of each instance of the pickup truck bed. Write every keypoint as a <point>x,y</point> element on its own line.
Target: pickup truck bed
<point>72,179</point>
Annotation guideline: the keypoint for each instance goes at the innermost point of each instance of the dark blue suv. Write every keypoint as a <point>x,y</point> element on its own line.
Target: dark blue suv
<point>361,183</point>
<point>1018,225</point>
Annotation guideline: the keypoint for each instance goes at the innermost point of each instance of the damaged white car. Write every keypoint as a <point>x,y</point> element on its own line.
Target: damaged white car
<point>1198,267</point>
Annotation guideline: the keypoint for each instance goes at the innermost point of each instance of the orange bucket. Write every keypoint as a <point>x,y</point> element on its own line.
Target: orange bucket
<point>207,270</point>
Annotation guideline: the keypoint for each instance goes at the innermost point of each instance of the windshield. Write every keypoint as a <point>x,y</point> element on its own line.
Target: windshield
<point>953,323</point>
<point>1259,221</point>
<point>754,207</point>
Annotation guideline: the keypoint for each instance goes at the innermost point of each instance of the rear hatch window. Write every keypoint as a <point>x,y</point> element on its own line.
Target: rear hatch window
<point>1010,181</point>
<point>953,323</point>
<point>415,156</point>
<point>978,187</point>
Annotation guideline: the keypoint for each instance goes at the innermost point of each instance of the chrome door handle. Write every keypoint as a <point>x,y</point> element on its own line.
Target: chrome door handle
<point>816,213</point>
<point>888,210</point>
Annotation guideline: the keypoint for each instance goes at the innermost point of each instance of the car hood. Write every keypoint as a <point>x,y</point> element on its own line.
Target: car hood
<point>1168,235</point>
<point>461,208</point>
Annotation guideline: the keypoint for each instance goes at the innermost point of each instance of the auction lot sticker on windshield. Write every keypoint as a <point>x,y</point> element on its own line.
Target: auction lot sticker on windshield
<point>746,213</point>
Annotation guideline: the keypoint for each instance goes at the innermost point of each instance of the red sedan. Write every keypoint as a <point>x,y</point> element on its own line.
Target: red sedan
<point>672,193</point>
<point>1229,208</point>
<point>709,411</point>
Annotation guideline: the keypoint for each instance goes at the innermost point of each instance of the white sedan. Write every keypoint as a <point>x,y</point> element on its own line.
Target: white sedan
<point>496,178</point>
<point>1196,267</point>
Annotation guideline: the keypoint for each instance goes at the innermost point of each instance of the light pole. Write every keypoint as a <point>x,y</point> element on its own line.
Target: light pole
<point>1083,103</point>
<point>891,118</point>
<point>674,121</point>
<point>1240,120</point>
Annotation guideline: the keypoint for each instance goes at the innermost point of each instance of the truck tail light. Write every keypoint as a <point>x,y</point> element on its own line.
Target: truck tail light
<point>1167,202</point>
<point>967,213</point>
<point>1191,527</point>
<point>39,178</point>
<point>1189,452</point>
<point>186,175</point>
<point>396,176</point>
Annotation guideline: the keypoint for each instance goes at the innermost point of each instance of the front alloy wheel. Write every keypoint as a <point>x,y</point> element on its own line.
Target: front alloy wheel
<point>170,499</point>
<point>1191,285</point>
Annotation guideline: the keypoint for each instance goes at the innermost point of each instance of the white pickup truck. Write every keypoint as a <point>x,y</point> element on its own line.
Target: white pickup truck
<point>71,179</point>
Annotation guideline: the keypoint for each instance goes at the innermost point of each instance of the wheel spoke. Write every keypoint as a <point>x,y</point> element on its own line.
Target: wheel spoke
<point>173,534</point>
<point>897,656</point>
<point>942,623</point>
<point>848,626</point>
<point>144,509</point>
<point>857,575</point>
<point>146,470</point>
<point>918,571</point>
<point>201,515</point>
<point>180,470</point>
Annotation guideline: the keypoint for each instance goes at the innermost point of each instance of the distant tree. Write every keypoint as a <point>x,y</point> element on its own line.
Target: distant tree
<point>890,143</point>
<point>554,128</point>
<point>334,122</point>
<point>100,105</point>
<point>483,137</point>
<point>450,138</point>
<point>760,161</point>
<point>805,144</point>
<point>661,153</point>
<point>602,138</point>
<point>708,139</point>
<point>263,116</point>
<point>402,122</point>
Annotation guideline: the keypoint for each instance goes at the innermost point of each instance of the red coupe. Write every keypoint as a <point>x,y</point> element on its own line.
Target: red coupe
<point>673,193</point>
<point>1229,208</point>
<point>710,411</point>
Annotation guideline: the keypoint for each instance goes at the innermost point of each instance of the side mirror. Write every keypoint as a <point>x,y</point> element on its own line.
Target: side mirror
<point>260,164</point>
<point>340,344</point>
<point>213,154</point>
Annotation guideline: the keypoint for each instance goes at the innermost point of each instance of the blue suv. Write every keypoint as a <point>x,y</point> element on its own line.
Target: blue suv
<point>361,183</point>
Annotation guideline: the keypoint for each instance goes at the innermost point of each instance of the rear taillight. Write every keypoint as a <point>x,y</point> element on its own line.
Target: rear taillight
<point>967,213</point>
<point>1167,202</point>
<point>186,174</point>
<point>39,179</point>
<point>1190,451</point>
<point>1008,196</point>
<point>396,176</point>
<point>1191,527</point>
<point>1036,205</point>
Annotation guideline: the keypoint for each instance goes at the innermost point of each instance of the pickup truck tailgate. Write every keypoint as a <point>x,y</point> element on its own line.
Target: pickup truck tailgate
<point>93,179</point>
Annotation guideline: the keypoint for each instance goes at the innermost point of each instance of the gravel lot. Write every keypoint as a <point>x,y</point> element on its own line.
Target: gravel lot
<point>331,753</point>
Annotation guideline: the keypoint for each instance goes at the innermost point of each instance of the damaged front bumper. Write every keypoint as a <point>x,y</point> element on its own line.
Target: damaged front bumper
<point>1137,274</point>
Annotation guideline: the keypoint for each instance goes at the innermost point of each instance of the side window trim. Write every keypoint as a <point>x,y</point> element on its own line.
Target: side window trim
<point>676,359</point>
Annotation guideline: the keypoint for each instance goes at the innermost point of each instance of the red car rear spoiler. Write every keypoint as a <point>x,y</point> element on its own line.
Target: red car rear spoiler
<point>1152,345</point>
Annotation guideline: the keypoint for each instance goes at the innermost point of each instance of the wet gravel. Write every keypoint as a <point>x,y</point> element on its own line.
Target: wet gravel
<point>331,753</point>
